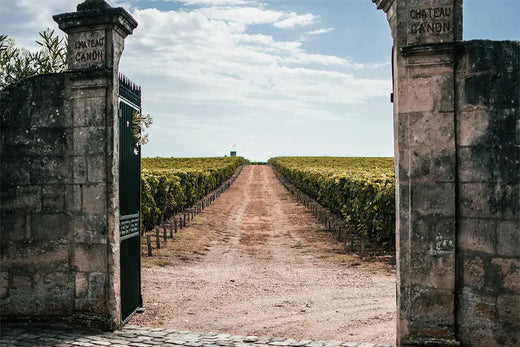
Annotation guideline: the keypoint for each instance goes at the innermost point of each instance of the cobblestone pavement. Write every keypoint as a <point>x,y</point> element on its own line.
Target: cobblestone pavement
<point>61,335</point>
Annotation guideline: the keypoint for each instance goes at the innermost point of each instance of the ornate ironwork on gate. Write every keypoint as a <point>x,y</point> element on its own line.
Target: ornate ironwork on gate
<point>129,198</point>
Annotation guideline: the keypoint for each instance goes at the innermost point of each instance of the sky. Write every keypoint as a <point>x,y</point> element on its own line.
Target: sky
<point>264,77</point>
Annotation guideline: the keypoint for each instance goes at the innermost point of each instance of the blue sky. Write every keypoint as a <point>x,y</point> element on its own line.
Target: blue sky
<point>273,77</point>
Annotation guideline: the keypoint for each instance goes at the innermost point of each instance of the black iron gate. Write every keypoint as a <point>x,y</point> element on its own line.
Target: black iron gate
<point>129,199</point>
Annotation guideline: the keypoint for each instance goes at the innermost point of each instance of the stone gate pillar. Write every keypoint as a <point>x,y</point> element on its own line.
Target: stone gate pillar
<point>424,33</point>
<point>96,34</point>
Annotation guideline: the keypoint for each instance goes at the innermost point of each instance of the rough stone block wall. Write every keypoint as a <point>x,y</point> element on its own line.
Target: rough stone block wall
<point>488,157</point>
<point>36,190</point>
<point>53,202</point>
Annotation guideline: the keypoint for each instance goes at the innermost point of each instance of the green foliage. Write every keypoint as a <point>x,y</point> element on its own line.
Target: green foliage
<point>18,63</point>
<point>172,184</point>
<point>362,190</point>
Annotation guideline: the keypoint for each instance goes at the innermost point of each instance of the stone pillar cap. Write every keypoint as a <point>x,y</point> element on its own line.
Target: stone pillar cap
<point>96,12</point>
<point>383,4</point>
<point>92,5</point>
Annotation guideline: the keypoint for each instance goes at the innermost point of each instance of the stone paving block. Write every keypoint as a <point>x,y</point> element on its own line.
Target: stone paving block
<point>116,342</point>
<point>192,336</point>
<point>175,342</point>
<point>146,337</point>
<point>84,344</point>
<point>223,336</point>
<point>316,344</point>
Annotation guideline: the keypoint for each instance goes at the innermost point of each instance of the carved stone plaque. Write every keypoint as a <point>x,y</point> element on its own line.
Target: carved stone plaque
<point>87,49</point>
<point>430,21</point>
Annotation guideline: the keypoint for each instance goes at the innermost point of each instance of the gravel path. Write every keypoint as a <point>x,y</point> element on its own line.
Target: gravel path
<point>256,263</point>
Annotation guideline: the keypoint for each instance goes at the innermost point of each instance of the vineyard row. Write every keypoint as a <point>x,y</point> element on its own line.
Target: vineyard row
<point>181,220</point>
<point>171,185</point>
<point>359,190</point>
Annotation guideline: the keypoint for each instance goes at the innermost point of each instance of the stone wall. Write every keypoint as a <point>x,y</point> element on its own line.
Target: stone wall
<point>488,175</point>
<point>36,190</point>
<point>54,222</point>
<point>59,164</point>
<point>457,133</point>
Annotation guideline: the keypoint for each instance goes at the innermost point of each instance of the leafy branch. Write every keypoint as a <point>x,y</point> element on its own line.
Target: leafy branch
<point>19,63</point>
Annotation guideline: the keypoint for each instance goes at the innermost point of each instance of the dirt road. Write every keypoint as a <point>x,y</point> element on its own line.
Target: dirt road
<point>256,263</point>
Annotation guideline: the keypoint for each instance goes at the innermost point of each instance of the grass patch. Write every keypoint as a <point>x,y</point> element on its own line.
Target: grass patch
<point>150,262</point>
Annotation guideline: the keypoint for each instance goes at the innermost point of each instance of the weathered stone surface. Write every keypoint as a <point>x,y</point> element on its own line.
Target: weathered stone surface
<point>37,256</point>
<point>477,235</point>
<point>433,236</point>
<point>89,140</point>
<point>90,257</point>
<point>509,274</point>
<point>80,170</point>
<point>50,227</point>
<point>473,123</point>
<point>4,284</point>
<point>94,199</point>
<point>416,95</point>
<point>14,221</point>
<point>14,171</point>
<point>433,271</point>
<point>96,169</point>
<point>91,228</point>
<point>21,198</point>
<point>473,272</point>
<point>483,328</point>
<point>53,198</point>
<point>488,87</point>
<point>88,111</point>
<point>50,170</point>
<point>489,200</point>
<point>73,199</point>
<point>81,284</point>
<point>508,238</point>
<point>432,165</point>
<point>54,294</point>
<point>434,307</point>
<point>433,199</point>
<point>507,309</point>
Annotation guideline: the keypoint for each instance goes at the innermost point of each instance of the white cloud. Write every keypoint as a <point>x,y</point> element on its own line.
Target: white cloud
<point>202,64</point>
<point>294,20</point>
<point>24,19</point>
<point>214,2</point>
<point>242,15</point>
<point>320,31</point>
